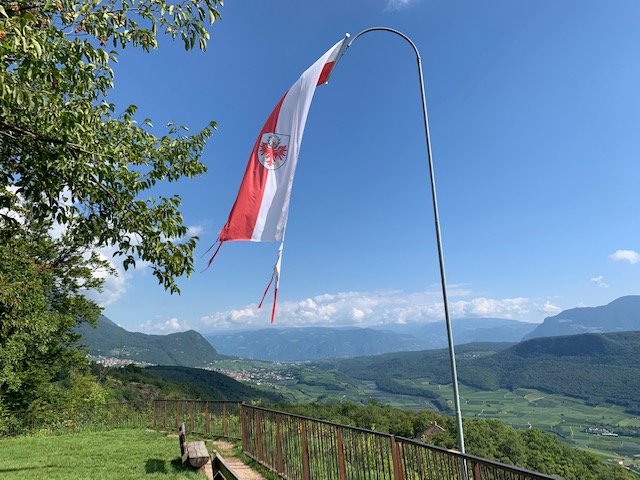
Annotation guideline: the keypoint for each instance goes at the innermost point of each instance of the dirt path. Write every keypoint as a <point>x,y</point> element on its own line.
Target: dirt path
<point>226,451</point>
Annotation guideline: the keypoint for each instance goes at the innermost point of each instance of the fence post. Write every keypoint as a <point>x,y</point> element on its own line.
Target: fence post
<point>341,465</point>
<point>279,464</point>
<point>206,418</point>
<point>224,419</point>
<point>398,472</point>
<point>177,414</point>
<point>191,416</point>
<point>306,472</point>
<point>164,420</point>
<point>155,414</point>
<point>245,438</point>
<point>477,474</point>
<point>259,434</point>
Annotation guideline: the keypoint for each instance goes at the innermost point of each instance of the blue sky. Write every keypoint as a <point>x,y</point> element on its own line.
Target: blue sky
<point>534,110</point>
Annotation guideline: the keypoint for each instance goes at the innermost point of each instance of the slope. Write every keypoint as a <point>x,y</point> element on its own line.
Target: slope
<point>111,341</point>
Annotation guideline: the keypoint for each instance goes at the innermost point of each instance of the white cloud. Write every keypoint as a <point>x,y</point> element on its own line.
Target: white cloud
<point>375,308</point>
<point>398,4</point>
<point>113,288</point>
<point>625,255</point>
<point>115,285</point>
<point>548,309</point>
<point>599,282</point>
<point>194,231</point>
<point>171,325</point>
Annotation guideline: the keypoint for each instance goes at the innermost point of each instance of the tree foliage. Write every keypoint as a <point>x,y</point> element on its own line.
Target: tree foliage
<point>64,148</point>
<point>71,162</point>
<point>42,281</point>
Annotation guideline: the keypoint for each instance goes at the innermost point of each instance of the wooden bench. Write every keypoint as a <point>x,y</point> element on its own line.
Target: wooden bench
<point>193,453</point>
<point>220,469</point>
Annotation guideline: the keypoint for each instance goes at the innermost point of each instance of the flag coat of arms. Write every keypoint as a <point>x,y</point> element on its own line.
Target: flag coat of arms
<point>260,211</point>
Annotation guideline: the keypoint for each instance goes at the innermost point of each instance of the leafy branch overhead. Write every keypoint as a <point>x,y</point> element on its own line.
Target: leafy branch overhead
<point>68,152</point>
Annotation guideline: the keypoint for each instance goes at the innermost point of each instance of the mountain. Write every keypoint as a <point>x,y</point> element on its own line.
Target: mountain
<point>298,344</point>
<point>109,340</point>
<point>621,315</point>
<point>467,330</point>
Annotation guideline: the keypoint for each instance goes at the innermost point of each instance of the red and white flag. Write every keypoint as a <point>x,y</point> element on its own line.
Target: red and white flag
<point>261,209</point>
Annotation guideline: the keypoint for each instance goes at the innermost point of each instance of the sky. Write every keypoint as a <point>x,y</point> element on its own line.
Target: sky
<point>534,114</point>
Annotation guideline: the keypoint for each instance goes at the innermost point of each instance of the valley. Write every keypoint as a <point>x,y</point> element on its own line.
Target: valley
<point>582,389</point>
<point>566,417</point>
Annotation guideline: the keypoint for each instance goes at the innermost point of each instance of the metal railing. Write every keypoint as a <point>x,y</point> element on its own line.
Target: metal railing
<point>219,418</point>
<point>301,448</point>
<point>293,446</point>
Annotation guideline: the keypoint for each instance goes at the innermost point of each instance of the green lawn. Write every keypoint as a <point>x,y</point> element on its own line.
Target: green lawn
<point>106,455</point>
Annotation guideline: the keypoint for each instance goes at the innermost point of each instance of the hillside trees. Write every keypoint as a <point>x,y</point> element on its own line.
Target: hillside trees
<point>71,162</point>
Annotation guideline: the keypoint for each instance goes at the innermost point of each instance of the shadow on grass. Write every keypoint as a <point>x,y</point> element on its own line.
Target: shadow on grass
<point>20,469</point>
<point>156,465</point>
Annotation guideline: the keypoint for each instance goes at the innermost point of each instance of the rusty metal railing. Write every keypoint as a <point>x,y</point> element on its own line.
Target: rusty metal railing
<point>295,447</point>
<point>209,417</point>
<point>301,448</point>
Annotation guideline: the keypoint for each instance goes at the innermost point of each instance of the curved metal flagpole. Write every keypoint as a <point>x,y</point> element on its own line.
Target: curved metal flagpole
<point>452,357</point>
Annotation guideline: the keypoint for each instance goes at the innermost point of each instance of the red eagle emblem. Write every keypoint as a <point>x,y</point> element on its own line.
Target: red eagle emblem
<point>272,152</point>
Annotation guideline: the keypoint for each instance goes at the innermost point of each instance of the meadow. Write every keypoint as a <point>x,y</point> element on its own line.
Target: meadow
<point>108,455</point>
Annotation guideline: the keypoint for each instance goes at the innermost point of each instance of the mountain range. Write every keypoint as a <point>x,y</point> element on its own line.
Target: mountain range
<point>310,343</point>
<point>621,315</point>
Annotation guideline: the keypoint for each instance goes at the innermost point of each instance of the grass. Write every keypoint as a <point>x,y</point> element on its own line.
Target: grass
<point>105,455</point>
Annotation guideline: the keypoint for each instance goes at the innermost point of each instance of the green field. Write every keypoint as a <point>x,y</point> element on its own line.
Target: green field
<point>563,416</point>
<point>107,455</point>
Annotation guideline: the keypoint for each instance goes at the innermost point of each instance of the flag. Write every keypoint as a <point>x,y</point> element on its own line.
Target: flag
<point>260,211</point>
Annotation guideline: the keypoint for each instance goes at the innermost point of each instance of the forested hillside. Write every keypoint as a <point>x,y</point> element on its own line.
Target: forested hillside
<point>135,383</point>
<point>594,367</point>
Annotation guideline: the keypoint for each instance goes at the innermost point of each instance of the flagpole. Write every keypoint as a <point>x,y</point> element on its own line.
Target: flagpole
<point>452,357</point>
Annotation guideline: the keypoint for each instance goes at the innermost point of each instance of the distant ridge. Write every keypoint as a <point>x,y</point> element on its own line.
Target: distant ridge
<point>467,330</point>
<point>308,343</point>
<point>312,343</point>
<point>108,340</point>
<point>621,315</point>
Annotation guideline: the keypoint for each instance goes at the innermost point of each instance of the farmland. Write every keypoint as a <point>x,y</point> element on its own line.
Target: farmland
<point>564,416</point>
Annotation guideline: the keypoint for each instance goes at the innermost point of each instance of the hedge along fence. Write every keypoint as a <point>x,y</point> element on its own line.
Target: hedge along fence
<point>295,447</point>
<point>216,418</point>
<point>55,421</point>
